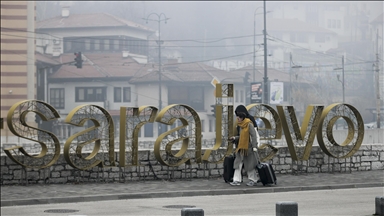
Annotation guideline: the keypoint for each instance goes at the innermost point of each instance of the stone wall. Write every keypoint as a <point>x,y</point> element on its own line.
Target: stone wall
<point>368,157</point>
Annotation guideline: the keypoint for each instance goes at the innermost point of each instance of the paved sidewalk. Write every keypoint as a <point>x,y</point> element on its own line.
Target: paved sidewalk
<point>83,192</point>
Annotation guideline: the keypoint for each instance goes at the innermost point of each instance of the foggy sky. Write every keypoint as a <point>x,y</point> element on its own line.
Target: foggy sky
<point>194,20</point>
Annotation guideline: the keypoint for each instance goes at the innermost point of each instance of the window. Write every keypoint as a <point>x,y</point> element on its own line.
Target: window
<point>127,94</point>
<point>211,125</point>
<point>119,97</point>
<point>202,125</point>
<point>148,130</point>
<point>338,24</point>
<point>106,44</point>
<point>96,44</point>
<point>57,98</point>
<point>192,96</point>
<point>67,46</point>
<point>99,94</point>
<point>329,23</point>
<point>333,23</point>
<point>116,44</point>
<point>117,94</point>
<point>87,44</point>
<point>111,43</point>
<point>236,96</point>
<point>90,94</point>
<point>77,44</point>
<point>241,96</point>
<point>81,94</point>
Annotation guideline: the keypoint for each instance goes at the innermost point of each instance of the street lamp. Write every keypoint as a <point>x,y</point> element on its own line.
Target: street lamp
<point>338,77</point>
<point>265,87</point>
<point>291,65</point>
<point>159,42</point>
<point>254,42</point>
<point>376,71</point>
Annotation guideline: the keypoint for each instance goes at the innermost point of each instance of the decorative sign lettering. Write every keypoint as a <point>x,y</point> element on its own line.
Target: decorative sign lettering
<point>17,124</point>
<point>100,137</point>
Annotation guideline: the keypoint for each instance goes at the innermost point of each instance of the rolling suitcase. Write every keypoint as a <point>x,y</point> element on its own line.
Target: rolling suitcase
<point>266,174</point>
<point>228,168</point>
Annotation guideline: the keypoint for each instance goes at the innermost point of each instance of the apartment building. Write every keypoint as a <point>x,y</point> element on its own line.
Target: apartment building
<point>17,58</point>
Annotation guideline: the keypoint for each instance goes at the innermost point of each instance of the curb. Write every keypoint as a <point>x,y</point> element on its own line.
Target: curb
<point>5,203</point>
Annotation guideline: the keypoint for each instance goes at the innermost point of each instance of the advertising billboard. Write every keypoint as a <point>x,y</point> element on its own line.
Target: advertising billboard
<point>256,92</point>
<point>276,93</point>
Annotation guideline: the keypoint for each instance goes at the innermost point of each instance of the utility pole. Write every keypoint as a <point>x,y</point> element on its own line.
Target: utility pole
<point>342,79</point>
<point>159,42</point>
<point>377,80</point>
<point>291,65</point>
<point>342,65</point>
<point>254,48</point>
<point>265,87</point>
<point>290,78</point>
<point>254,43</point>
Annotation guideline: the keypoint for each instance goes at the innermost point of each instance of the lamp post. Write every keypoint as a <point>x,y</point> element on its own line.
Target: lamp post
<point>158,20</point>
<point>342,79</point>
<point>291,65</point>
<point>377,78</point>
<point>265,87</point>
<point>376,71</point>
<point>254,44</point>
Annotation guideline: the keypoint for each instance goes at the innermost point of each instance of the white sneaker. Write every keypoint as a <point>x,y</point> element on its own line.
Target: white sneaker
<point>235,183</point>
<point>251,183</point>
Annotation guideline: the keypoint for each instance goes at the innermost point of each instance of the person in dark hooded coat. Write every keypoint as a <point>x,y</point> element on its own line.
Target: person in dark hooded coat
<point>253,160</point>
<point>243,109</point>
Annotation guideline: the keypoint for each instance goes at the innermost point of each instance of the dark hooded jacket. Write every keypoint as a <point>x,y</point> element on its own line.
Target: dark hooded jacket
<point>243,109</point>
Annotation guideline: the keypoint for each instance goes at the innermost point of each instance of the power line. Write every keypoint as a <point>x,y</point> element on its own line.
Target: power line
<point>319,52</point>
<point>172,40</point>
<point>132,45</point>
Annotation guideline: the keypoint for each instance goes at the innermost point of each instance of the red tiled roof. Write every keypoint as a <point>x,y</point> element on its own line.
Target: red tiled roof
<point>46,59</point>
<point>294,25</point>
<point>113,65</point>
<point>87,20</point>
<point>99,65</point>
<point>70,71</point>
<point>184,72</point>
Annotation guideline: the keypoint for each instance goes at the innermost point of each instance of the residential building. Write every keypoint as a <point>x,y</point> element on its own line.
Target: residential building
<point>117,72</point>
<point>293,35</point>
<point>350,20</point>
<point>129,83</point>
<point>17,59</point>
